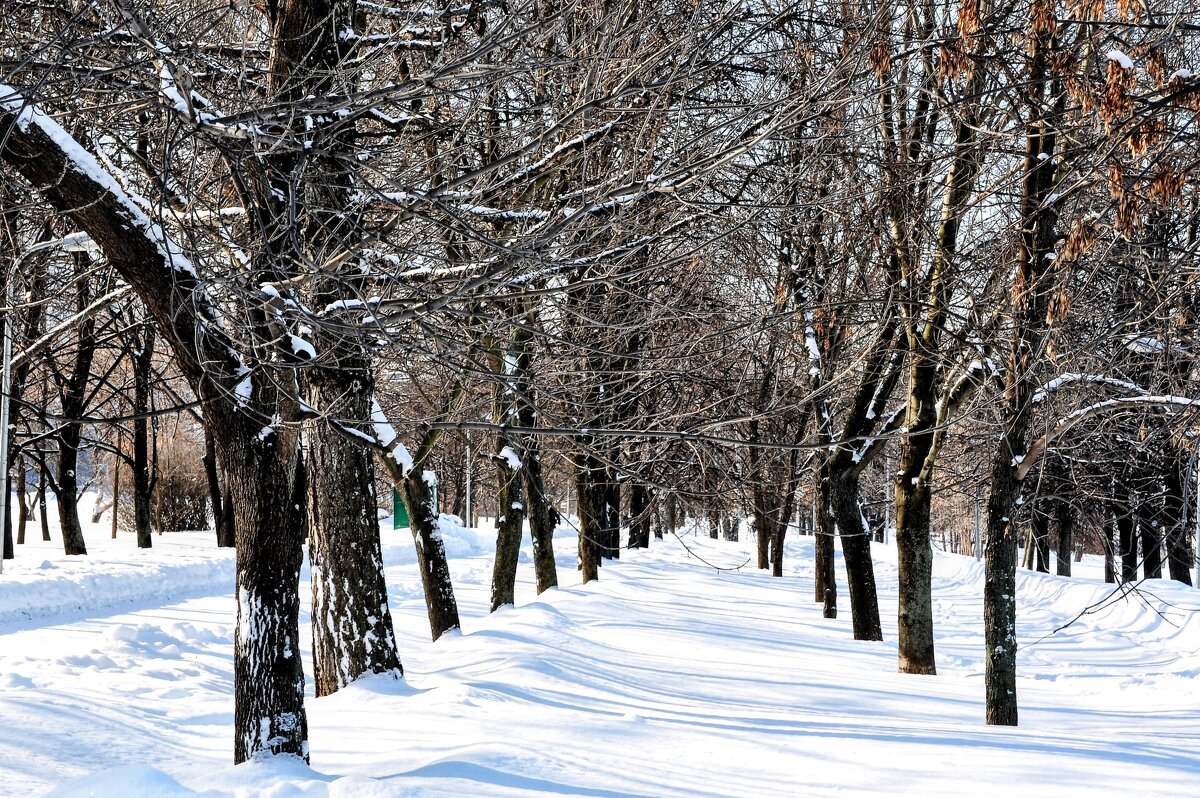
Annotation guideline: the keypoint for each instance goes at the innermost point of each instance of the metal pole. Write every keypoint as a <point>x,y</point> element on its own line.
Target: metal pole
<point>5,389</point>
<point>1196,546</point>
<point>887,505</point>
<point>470,518</point>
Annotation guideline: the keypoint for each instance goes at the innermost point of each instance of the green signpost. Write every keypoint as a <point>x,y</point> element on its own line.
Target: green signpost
<point>400,519</point>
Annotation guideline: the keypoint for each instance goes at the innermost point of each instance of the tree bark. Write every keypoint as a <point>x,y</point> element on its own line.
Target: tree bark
<point>1127,541</point>
<point>431,554</point>
<point>142,375</point>
<point>23,503</point>
<point>1151,540</point>
<point>352,625</point>
<point>1030,301</point>
<point>639,515</point>
<point>1179,561</point>
<point>510,518</point>
<point>1064,525</point>
<point>915,561</point>
<point>268,675</point>
<point>543,518</point>
<point>1000,589</point>
<point>1040,526</point>
<point>590,507</point>
<point>824,578</point>
<point>268,678</point>
<point>43,516</point>
<point>222,510</point>
<point>856,553</point>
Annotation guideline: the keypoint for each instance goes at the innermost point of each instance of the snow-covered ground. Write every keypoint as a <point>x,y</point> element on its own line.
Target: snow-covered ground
<point>665,678</point>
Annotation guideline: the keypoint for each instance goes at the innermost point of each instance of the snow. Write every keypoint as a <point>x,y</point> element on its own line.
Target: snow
<point>691,681</point>
<point>1122,60</point>
<point>244,388</point>
<point>509,456</point>
<point>80,159</point>
<point>302,347</point>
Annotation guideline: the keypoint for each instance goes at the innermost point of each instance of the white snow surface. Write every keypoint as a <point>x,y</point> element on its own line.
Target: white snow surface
<point>664,678</point>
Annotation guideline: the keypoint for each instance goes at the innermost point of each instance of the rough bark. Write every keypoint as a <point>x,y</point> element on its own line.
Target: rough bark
<point>590,500</point>
<point>72,396</point>
<point>440,603</point>
<point>1127,543</point>
<point>1109,531</point>
<point>856,553</point>
<point>510,518</point>
<point>142,375</point>
<point>1040,526</point>
<point>1064,526</point>
<point>1179,560</point>
<point>1030,299</point>
<point>639,516</point>
<point>1151,539</point>
<point>23,503</point>
<point>221,507</point>
<point>543,518</point>
<point>1000,588</point>
<point>43,516</point>
<point>824,579</point>
<point>352,625</point>
<point>915,561</point>
<point>269,711</point>
<point>268,679</point>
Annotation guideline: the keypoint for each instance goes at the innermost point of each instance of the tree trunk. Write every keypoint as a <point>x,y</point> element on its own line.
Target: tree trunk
<point>1030,298</point>
<point>1151,542</point>
<point>68,490</point>
<point>1064,525</point>
<point>714,524</point>
<point>639,515</point>
<point>543,518</point>
<point>23,504</point>
<point>352,625</point>
<point>824,578</point>
<point>142,375</point>
<point>1040,526</point>
<point>116,493</point>
<point>856,553</point>
<point>1000,591</point>
<point>914,555</point>
<point>1127,542</point>
<point>763,532</point>
<point>1110,565</point>
<point>431,555</point>
<point>268,675</point>
<point>43,515</point>
<point>9,553</point>
<point>590,508</point>
<point>612,515</point>
<point>1179,561</point>
<point>510,518</point>
<point>222,509</point>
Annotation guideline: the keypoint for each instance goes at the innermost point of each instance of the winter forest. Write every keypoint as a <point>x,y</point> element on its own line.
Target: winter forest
<point>599,398</point>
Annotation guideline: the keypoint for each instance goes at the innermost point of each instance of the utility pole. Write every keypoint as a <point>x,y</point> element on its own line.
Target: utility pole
<point>887,504</point>
<point>5,390</point>
<point>470,517</point>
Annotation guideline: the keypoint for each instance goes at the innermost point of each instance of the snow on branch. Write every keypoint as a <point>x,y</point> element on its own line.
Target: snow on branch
<point>1096,379</point>
<point>27,115</point>
<point>1025,463</point>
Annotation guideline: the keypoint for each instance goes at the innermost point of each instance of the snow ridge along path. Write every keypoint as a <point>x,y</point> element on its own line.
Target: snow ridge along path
<point>665,678</point>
